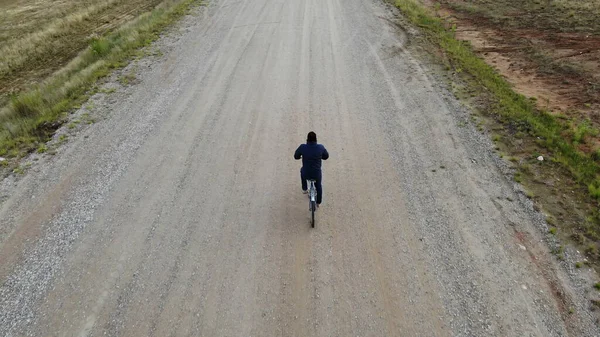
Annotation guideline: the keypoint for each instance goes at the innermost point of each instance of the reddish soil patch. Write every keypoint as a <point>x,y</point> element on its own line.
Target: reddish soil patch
<point>560,70</point>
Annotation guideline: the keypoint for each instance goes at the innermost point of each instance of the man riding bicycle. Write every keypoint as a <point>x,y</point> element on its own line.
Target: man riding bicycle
<point>311,154</point>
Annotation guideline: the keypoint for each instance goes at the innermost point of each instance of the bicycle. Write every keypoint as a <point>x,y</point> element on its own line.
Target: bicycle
<point>312,200</point>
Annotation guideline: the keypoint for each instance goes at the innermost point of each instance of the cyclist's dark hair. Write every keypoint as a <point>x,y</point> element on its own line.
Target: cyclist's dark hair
<point>312,137</point>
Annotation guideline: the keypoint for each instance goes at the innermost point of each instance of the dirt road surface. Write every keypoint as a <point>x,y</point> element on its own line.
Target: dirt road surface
<point>181,214</point>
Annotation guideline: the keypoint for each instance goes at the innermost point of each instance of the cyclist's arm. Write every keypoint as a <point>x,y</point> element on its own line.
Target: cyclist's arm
<point>325,154</point>
<point>298,153</point>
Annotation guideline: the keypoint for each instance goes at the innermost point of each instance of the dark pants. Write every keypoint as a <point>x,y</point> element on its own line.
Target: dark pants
<point>317,177</point>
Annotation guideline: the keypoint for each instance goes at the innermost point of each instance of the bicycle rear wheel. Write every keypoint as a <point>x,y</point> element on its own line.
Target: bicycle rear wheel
<point>312,210</point>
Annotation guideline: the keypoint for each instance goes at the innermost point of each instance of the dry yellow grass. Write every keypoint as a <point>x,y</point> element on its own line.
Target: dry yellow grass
<point>54,67</point>
<point>20,17</point>
<point>16,51</point>
<point>39,37</point>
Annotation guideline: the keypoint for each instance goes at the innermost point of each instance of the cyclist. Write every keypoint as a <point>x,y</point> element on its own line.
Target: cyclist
<point>312,153</point>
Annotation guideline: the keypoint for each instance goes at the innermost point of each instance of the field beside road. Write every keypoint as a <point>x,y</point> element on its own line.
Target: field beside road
<point>550,50</point>
<point>39,37</point>
<point>53,52</point>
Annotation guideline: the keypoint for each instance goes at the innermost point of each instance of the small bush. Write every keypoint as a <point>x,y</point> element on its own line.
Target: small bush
<point>100,47</point>
<point>596,154</point>
<point>518,177</point>
<point>594,190</point>
<point>591,250</point>
<point>583,129</point>
<point>29,104</point>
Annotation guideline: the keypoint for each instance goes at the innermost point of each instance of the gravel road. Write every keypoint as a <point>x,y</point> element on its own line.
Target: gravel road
<point>180,213</point>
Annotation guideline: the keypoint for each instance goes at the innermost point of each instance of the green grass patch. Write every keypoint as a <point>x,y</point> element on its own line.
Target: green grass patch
<point>19,170</point>
<point>30,118</point>
<point>583,130</point>
<point>42,148</point>
<point>518,177</point>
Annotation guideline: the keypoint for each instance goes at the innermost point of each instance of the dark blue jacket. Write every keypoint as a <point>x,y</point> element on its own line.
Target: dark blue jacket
<point>311,154</point>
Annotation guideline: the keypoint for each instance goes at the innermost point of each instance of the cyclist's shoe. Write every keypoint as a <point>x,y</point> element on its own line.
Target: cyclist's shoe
<point>304,191</point>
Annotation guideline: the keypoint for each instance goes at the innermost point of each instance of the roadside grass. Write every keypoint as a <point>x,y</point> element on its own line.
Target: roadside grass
<point>31,117</point>
<point>518,114</point>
